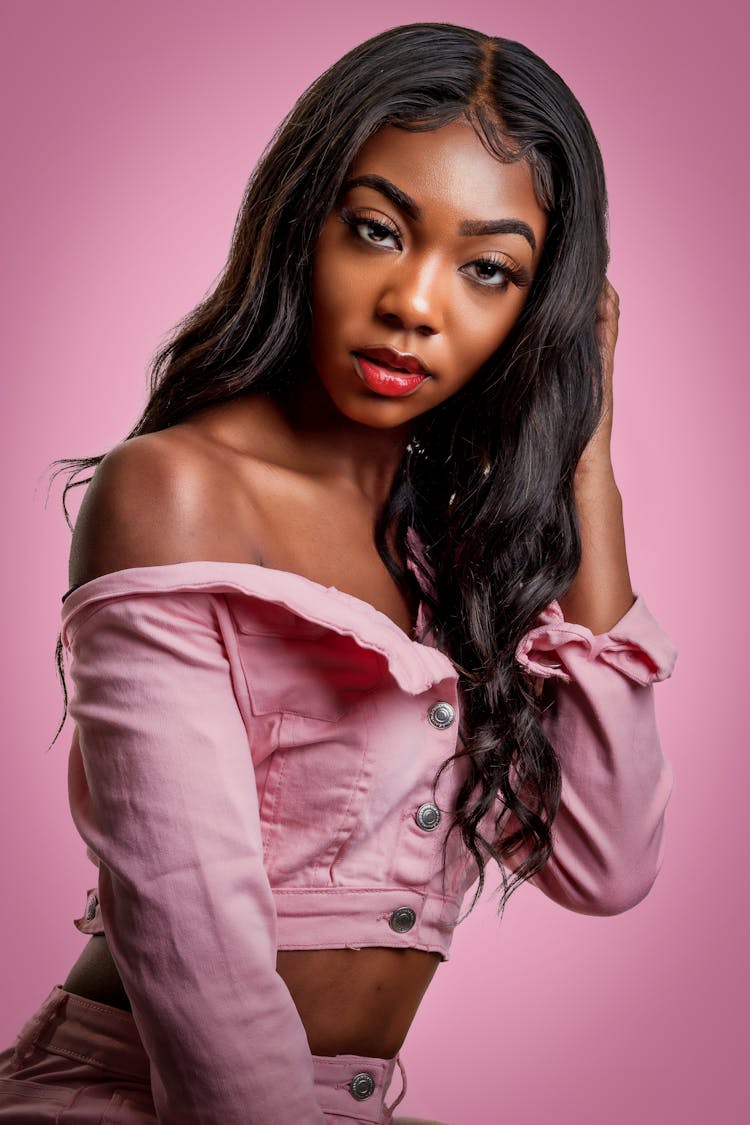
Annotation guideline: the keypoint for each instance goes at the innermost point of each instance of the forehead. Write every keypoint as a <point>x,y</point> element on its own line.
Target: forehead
<point>449,169</point>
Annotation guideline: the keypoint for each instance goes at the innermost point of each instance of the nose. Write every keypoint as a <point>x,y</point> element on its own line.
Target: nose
<point>411,297</point>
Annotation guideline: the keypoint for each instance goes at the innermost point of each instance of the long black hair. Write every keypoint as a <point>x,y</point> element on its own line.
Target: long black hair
<point>487,479</point>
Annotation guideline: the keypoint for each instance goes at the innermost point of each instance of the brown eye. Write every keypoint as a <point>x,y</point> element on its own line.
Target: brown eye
<point>492,273</point>
<point>376,232</point>
<point>489,273</point>
<point>368,229</point>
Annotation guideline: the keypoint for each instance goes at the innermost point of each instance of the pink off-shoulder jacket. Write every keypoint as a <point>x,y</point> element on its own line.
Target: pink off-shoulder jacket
<point>252,770</point>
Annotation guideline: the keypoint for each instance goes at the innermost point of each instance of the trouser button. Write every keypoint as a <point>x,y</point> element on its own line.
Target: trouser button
<point>362,1086</point>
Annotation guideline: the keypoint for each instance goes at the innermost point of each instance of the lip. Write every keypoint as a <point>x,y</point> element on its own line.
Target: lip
<point>384,380</point>
<point>399,361</point>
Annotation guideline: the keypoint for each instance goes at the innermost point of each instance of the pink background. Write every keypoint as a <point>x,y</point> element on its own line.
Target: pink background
<point>130,131</point>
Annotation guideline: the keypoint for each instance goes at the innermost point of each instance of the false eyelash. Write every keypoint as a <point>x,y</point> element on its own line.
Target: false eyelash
<point>516,275</point>
<point>354,220</point>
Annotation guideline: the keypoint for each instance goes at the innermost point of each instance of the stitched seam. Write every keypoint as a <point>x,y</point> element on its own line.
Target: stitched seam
<point>84,1002</point>
<point>396,889</point>
<point>354,792</point>
<point>67,1052</point>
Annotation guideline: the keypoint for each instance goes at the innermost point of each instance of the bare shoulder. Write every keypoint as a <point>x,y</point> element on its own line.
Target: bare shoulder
<point>154,500</point>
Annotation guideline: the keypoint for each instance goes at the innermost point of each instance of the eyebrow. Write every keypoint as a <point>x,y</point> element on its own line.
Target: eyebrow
<point>468,228</point>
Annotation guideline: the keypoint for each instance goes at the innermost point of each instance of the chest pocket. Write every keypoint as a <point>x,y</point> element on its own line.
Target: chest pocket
<point>299,667</point>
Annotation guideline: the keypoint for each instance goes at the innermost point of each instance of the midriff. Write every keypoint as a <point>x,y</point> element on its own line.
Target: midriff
<point>350,1001</point>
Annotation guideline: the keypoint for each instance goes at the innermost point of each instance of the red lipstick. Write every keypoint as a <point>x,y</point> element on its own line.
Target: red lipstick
<point>385,380</point>
<point>399,361</point>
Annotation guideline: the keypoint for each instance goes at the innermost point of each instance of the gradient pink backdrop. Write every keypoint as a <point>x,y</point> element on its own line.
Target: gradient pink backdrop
<point>129,132</point>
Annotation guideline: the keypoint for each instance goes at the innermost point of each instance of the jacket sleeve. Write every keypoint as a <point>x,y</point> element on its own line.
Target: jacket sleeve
<point>608,834</point>
<point>162,789</point>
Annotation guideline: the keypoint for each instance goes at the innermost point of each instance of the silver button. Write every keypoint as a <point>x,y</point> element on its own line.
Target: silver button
<point>427,816</point>
<point>402,919</point>
<point>362,1086</point>
<point>441,715</point>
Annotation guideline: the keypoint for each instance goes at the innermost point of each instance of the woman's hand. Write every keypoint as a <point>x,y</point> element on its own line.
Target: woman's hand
<point>600,593</point>
<point>597,454</point>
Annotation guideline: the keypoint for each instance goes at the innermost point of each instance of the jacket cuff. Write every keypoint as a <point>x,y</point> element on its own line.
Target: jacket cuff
<point>636,645</point>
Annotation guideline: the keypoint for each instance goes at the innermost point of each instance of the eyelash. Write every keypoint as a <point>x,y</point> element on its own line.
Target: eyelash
<point>515,275</point>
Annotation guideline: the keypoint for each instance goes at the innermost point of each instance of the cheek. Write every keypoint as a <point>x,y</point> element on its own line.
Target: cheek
<point>479,335</point>
<point>333,285</point>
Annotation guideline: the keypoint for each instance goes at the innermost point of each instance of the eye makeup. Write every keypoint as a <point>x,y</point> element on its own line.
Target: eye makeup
<point>505,273</point>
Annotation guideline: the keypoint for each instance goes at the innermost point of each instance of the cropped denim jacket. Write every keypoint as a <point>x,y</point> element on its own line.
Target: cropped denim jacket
<point>251,769</point>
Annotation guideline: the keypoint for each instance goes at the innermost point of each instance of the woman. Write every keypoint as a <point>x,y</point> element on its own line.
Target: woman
<point>350,613</point>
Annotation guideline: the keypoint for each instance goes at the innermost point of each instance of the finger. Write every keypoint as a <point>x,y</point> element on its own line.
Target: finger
<point>608,304</point>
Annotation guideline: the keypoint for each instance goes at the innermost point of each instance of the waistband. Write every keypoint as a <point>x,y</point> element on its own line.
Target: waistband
<point>351,1086</point>
<point>84,1030</point>
<point>343,918</point>
<point>350,918</point>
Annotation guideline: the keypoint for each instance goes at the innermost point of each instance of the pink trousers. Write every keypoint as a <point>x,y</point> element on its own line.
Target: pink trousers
<point>78,1062</point>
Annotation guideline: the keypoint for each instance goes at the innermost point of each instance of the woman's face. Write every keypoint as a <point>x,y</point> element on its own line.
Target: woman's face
<point>430,250</point>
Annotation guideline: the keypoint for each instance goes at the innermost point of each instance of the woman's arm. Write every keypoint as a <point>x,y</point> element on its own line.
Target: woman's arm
<point>162,789</point>
<point>601,593</point>
<point>600,651</point>
<point>598,713</point>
